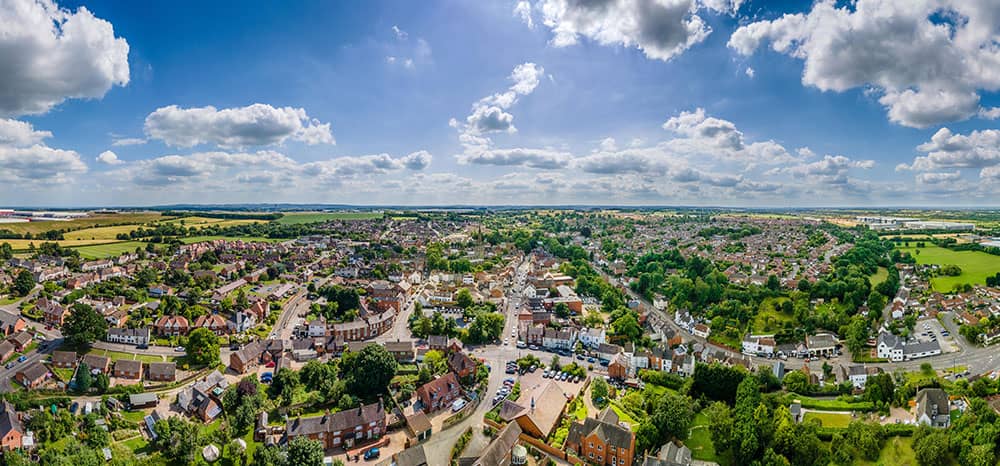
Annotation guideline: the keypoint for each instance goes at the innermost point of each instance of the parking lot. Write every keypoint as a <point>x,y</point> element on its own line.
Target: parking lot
<point>932,330</point>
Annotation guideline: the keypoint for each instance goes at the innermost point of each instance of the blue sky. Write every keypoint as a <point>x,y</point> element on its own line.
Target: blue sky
<point>711,102</point>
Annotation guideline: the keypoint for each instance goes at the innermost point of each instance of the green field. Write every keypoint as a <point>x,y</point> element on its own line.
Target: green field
<point>836,420</point>
<point>898,451</point>
<point>699,440</point>
<point>100,251</point>
<point>879,276</point>
<point>292,218</point>
<point>770,318</point>
<point>116,355</point>
<point>976,266</point>
<point>92,221</point>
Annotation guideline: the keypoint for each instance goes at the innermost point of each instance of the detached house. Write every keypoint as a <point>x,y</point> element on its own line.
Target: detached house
<point>162,371</point>
<point>11,430</point>
<point>439,393</point>
<point>213,322</point>
<point>461,364</point>
<point>933,408</point>
<point>128,369</point>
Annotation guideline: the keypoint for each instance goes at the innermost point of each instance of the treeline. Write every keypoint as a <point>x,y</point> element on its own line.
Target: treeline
<point>225,215</point>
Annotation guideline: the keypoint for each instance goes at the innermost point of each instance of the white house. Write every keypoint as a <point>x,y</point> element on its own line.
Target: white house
<point>593,337</point>
<point>701,330</point>
<point>317,328</point>
<point>759,344</point>
<point>858,376</point>
<point>129,336</point>
<point>243,321</point>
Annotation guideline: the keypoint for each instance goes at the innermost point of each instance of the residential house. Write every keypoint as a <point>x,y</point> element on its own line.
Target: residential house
<point>129,336</point>
<point>341,429</point>
<point>128,369</point>
<point>246,358</point>
<point>500,451</point>
<point>461,364</point>
<point>933,408</point>
<point>540,414</point>
<point>602,440</point>
<point>64,359</point>
<point>402,351</point>
<point>437,343</point>
<point>439,393</point>
<point>20,340</point>
<point>559,339</point>
<point>204,398</point>
<point>32,375</point>
<point>593,337</point>
<point>171,325</point>
<point>53,313</point>
<point>162,371</point>
<point>6,350</point>
<point>701,330</point>
<point>11,323</point>
<point>670,455</point>
<point>317,328</point>
<point>12,431</point>
<point>214,322</point>
<point>97,362</point>
<point>619,367</point>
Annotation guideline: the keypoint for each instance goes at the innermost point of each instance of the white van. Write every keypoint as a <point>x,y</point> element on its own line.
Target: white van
<point>458,405</point>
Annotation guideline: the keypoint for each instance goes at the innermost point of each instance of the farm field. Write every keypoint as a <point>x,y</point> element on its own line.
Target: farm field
<point>294,218</point>
<point>976,266</point>
<point>101,220</point>
<point>205,221</point>
<point>836,420</point>
<point>100,233</point>
<point>254,239</point>
<point>100,251</point>
<point>24,244</point>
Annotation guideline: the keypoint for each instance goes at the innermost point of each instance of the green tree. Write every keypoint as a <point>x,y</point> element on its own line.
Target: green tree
<point>720,425</point>
<point>283,385</point>
<point>202,347</point>
<point>672,415</point>
<point>84,326</point>
<point>102,382</point>
<point>562,310</point>
<point>746,433</point>
<point>599,392</point>
<point>24,283</point>
<point>83,378</point>
<point>931,449</point>
<point>368,372</point>
<point>463,298</point>
<point>269,456</point>
<point>880,388</point>
<point>797,381</point>
<point>6,251</point>
<point>303,451</point>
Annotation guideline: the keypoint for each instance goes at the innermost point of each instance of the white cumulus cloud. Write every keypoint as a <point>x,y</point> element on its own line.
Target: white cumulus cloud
<point>253,125</point>
<point>928,60</point>
<point>49,54</point>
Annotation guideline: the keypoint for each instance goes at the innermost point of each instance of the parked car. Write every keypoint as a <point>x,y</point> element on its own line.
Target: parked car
<point>591,360</point>
<point>179,349</point>
<point>372,453</point>
<point>458,405</point>
<point>22,358</point>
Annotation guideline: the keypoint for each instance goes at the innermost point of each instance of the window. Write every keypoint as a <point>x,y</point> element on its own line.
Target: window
<point>591,455</point>
<point>600,448</point>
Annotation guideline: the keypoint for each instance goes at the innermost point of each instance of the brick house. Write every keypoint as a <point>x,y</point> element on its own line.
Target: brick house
<point>20,340</point>
<point>162,371</point>
<point>461,364</point>
<point>439,393</point>
<point>342,429</point>
<point>213,322</point>
<point>246,358</point>
<point>171,325</point>
<point>32,376</point>
<point>128,369</point>
<point>101,363</point>
<point>64,359</point>
<point>602,440</point>
<point>11,429</point>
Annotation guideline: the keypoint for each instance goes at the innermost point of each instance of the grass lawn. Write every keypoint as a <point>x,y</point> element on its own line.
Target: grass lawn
<point>699,440</point>
<point>623,414</point>
<point>837,420</point>
<point>116,355</point>
<point>133,416</point>
<point>292,218</point>
<point>101,251</point>
<point>206,221</point>
<point>62,373</point>
<point>898,451</point>
<point>8,300</point>
<point>770,318</point>
<point>976,266</point>
<point>880,275</point>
